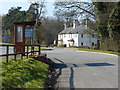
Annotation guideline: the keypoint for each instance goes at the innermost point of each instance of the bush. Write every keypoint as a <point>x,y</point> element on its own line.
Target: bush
<point>84,47</point>
<point>53,45</point>
<point>109,45</point>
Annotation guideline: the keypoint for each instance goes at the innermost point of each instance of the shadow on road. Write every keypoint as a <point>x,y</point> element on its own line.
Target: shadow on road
<point>99,64</point>
<point>60,66</point>
<point>59,60</point>
<point>63,65</point>
<point>71,79</point>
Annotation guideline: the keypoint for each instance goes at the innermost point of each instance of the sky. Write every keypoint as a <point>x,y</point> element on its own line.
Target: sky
<point>5,6</point>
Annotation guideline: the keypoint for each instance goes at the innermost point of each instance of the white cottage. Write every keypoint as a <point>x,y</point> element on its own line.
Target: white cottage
<point>78,35</point>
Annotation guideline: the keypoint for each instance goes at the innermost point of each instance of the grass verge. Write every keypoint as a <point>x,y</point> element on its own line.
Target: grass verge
<point>26,73</point>
<point>46,49</point>
<point>92,50</point>
<point>6,44</point>
<point>40,48</point>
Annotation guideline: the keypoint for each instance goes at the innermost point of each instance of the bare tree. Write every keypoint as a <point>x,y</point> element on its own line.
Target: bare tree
<point>74,9</point>
<point>38,6</point>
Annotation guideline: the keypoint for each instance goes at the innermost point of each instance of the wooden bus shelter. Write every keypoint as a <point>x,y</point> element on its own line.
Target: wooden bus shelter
<point>19,35</point>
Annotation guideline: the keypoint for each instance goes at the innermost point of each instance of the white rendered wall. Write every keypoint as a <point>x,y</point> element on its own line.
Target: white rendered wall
<point>83,40</point>
<point>66,37</point>
<point>60,37</point>
<point>87,40</point>
<point>94,39</point>
<point>75,38</point>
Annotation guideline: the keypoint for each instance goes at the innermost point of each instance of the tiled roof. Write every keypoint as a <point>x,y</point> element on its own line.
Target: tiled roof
<point>78,29</point>
<point>66,30</point>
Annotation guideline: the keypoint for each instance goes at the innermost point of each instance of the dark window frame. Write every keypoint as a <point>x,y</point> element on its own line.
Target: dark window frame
<point>93,43</point>
<point>82,35</point>
<point>93,36</point>
<point>82,44</point>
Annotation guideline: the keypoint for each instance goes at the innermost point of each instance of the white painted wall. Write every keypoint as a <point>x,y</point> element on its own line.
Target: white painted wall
<point>86,39</point>
<point>59,37</point>
<point>82,39</point>
<point>94,39</point>
<point>66,37</point>
<point>75,39</point>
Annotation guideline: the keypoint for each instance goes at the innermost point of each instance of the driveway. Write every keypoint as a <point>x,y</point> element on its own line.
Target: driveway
<point>85,69</point>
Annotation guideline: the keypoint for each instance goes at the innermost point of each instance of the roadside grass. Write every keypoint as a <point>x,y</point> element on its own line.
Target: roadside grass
<point>6,44</point>
<point>66,47</point>
<point>26,73</point>
<point>36,48</point>
<point>46,49</point>
<point>92,50</point>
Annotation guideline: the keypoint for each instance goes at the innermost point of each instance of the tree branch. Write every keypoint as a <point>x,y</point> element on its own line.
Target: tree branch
<point>81,9</point>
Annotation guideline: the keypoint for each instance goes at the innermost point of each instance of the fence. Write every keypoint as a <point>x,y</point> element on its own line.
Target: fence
<point>28,51</point>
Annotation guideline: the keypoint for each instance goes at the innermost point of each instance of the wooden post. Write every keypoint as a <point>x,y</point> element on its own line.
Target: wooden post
<point>31,50</point>
<point>39,50</point>
<point>27,51</point>
<point>15,52</point>
<point>7,53</point>
<point>22,53</point>
<point>45,56</point>
<point>21,56</point>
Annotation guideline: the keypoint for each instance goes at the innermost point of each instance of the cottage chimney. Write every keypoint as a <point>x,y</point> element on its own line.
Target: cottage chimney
<point>67,24</point>
<point>75,23</point>
<point>86,22</point>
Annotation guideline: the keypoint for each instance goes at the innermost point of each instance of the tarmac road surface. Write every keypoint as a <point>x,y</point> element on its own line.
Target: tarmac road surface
<point>85,69</point>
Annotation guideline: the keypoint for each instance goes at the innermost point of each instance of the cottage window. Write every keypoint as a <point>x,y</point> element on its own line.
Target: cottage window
<point>64,35</point>
<point>82,44</point>
<point>81,35</point>
<point>75,35</point>
<point>92,43</point>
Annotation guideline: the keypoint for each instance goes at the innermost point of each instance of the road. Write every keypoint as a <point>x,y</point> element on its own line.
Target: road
<point>11,49</point>
<point>3,50</point>
<point>85,69</point>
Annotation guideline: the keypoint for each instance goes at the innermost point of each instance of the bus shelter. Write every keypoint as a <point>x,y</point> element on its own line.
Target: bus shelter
<point>20,32</point>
